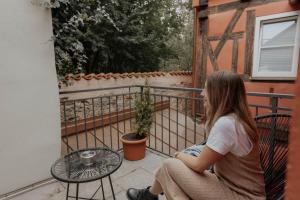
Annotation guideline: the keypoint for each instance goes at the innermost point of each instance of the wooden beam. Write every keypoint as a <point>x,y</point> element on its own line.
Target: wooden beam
<point>199,3</point>
<point>232,36</point>
<point>203,2</point>
<point>235,52</point>
<point>250,28</point>
<point>228,31</point>
<point>199,54</point>
<point>212,57</point>
<point>196,51</point>
<point>196,59</point>
<point>232,6</point>
<point>203,64</point>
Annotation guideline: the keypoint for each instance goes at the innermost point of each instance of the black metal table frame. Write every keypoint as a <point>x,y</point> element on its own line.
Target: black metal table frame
<point>86,181</point>
<point>92,198</point>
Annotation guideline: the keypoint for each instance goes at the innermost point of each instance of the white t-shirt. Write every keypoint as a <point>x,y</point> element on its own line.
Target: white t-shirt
<point>228,135</point>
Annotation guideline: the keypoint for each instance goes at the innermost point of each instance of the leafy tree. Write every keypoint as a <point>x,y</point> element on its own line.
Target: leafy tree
<point>182,43</point>
<point>95,36</point>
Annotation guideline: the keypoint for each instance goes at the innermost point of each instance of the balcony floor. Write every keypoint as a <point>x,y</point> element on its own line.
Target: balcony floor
<point>136,174</point>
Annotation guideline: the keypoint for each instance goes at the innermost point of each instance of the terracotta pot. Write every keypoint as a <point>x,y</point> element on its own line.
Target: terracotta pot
<point>134,149</point>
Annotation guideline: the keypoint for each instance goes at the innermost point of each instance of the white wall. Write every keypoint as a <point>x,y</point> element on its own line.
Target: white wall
<point>29,114</point>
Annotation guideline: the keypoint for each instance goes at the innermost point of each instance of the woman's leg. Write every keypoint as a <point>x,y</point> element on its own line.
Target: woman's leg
<point>181,183</point>
<point>178,182</point>
<point>170,187</point>
<point>156,188</point>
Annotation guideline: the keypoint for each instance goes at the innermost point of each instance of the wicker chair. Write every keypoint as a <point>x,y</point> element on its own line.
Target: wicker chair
<point>273,132</point>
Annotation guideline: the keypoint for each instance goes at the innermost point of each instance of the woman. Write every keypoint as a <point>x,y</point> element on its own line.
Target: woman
<point>232,147</point>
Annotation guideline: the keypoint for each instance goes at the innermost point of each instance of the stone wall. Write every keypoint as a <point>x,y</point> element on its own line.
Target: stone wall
<point>86,105</point>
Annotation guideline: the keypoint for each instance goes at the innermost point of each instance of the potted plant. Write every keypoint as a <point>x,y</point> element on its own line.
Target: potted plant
<point>134,143</point>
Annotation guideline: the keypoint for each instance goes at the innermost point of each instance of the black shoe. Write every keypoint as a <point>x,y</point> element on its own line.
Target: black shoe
<point>140,194</point>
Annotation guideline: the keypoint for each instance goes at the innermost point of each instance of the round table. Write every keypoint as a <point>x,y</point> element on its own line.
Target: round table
<point>72,169</point>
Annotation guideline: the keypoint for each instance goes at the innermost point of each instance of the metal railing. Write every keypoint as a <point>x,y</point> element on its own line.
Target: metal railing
<point>100,118</point>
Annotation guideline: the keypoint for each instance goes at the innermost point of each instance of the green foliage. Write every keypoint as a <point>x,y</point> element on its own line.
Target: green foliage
<point>144,110</point>
<point>182,43</point>
<point>95,36</point>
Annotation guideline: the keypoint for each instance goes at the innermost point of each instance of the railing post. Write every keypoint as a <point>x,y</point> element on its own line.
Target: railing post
<point>256,111</point>
<point>129,98</point>
<point>272,145</point>
<point>142,89</point>
<point>274,104</point>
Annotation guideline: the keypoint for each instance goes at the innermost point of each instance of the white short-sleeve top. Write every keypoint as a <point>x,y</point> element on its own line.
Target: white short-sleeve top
<point>228,135</point>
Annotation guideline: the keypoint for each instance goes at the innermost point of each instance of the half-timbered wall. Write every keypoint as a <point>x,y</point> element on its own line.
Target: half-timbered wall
<point>224,39</point>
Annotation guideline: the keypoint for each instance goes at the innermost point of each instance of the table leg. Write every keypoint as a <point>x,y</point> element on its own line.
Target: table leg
<point>112,189</point>
<point>67,197</point>
<point>77,190</point>
<point>102,189</point>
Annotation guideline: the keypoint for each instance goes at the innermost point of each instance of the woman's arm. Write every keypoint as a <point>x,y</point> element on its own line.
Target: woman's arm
<point>206,158</point>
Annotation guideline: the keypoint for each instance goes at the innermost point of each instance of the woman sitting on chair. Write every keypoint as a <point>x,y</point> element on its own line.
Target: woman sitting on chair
<point>231,147</point>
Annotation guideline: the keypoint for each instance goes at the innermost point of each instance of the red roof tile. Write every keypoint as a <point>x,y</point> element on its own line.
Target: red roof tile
<point>99,76</point>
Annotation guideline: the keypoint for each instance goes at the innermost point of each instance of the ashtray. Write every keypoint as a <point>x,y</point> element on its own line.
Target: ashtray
<point>87,157</point>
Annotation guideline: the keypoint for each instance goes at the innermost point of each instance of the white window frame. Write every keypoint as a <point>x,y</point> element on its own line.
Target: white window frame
<point>290,75</point>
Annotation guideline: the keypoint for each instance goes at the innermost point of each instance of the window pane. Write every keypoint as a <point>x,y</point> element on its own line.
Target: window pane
<point>276,59</point>
<point>279,33</point>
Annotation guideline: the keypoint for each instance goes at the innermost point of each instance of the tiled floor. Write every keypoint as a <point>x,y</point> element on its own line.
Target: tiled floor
<point>137,174</point>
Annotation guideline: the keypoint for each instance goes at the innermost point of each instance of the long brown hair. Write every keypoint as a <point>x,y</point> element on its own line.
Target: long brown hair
<point>226,94</point>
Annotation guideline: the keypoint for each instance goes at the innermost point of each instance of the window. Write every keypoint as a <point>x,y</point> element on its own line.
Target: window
<point>276,46</point>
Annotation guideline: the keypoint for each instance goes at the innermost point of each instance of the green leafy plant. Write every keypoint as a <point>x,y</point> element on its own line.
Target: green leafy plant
<point>144,110</point>
<point>93,36</point>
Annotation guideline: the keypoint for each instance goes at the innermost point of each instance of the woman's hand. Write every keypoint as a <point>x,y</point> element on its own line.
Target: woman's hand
<point>176,154</point>
<point>206,158</point>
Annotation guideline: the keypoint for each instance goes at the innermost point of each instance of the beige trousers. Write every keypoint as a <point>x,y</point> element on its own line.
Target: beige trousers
<point>181,183</point>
